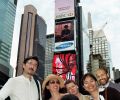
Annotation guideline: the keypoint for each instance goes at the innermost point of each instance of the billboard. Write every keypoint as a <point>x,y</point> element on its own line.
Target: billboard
<point>64,35</point>
<point>64,9</point>
<point>64,64</point>
<point>64,46</point>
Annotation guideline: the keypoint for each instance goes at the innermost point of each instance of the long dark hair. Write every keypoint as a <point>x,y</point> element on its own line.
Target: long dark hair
<point>47,94</point>
<point>86,75</point>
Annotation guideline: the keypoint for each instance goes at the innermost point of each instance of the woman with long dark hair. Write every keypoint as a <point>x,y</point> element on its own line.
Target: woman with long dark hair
<point>90,84</point>
<point>51,87</point>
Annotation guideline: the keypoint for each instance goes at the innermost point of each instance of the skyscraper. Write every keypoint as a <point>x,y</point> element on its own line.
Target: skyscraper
<point>99,43</point>
<point>7,17</point>
<point>102,46</point>
<point>49,52</point>
<point>32,39</point>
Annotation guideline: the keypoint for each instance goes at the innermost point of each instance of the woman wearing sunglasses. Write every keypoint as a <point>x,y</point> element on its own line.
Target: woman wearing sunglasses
<point>51,87</point>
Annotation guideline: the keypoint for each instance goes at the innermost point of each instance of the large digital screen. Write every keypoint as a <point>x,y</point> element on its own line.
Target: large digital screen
<point>64,9</point>
<point>65,65</point>
<point>64,31</point>
<point>64,35</point>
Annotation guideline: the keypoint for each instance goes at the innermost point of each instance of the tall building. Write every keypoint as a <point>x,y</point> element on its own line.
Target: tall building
<point>49,52</point>
<point>96,60</point>
<point>15,2</point>
<point>99,44</point>
<point>32,39</point>
<point>116,74</point>
<point>7,18</point>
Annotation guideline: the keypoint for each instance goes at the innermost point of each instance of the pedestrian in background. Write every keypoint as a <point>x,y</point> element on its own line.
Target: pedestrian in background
<point>23,87</point>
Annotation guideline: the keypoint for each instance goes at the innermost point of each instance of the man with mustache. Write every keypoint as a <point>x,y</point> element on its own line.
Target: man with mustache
<point>104,79</point>
<point>23,87</point>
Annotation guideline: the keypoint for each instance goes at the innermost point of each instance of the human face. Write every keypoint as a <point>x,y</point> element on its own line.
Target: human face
<point>90,84</point>
<point>30,67</point>
<point>102,77</point>
<point>53,85</point>
<point>72,88</point>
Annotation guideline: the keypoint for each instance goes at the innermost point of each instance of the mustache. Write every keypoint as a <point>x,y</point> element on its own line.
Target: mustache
<point>102,79</point>
<point>31,69</point>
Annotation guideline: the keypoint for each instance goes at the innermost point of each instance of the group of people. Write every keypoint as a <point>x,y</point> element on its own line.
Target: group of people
<point>25,87</point>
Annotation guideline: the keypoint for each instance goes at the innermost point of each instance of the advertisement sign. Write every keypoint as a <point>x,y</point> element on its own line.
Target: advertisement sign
<point>64,9</point>
<point>65,65</point>
<point>64,31</point>
<point>64,46</point>
<point>64,36</point>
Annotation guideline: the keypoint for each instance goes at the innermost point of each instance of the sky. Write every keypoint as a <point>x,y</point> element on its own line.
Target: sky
<point>46,11</point>
<point>102,11</point>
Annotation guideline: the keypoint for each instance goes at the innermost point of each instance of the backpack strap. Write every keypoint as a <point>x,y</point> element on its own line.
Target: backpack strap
<point>37,83</point>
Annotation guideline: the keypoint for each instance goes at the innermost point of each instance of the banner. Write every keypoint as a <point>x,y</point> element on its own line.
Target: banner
<point>64,9</point>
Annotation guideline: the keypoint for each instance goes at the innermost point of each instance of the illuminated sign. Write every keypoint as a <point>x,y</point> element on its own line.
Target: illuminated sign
<point>64,46</point>
<point>64,35</point>
<point>65,65</point>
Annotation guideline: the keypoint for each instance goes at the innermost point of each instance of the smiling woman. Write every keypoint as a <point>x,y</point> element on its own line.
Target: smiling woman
<point>90,84</point>
<point>51,87</point>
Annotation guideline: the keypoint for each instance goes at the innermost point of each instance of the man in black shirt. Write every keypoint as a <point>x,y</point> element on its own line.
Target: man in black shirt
<point>65,33</point>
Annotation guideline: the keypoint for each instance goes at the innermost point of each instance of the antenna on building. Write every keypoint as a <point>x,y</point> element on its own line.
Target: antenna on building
<point>89,21</point>
<point>103,26</point>
<point>100,32</point>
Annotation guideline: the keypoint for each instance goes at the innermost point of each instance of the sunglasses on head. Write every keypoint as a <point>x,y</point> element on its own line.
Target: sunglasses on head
<point>53,82</point>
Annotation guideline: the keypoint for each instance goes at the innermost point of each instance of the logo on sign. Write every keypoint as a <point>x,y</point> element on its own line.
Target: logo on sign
<point>65,45</point>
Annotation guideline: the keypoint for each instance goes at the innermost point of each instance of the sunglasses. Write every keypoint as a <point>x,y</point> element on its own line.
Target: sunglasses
<point>53,82</point>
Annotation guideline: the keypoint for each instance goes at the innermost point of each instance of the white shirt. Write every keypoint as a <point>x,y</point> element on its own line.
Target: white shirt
<point>99,98</point>
<point>102,87</point>
<point>20,88</point>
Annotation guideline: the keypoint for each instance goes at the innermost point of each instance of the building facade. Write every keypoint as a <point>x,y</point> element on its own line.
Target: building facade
<point>32,39</point>
<point>7,18</point>
<point>99,44</point>
<point>96,60</point>
<point>49,52</point>
<point>116,74</point>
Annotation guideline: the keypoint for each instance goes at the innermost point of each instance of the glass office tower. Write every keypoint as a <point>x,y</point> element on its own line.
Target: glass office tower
<point>49,52</point>
<point>7,17</point>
